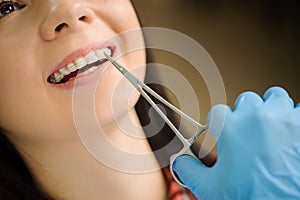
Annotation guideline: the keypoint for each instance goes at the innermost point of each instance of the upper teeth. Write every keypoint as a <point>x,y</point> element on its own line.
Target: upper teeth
<point>79,63</point>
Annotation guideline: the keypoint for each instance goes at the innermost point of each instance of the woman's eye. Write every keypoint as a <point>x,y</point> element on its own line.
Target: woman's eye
<point>7,7</point>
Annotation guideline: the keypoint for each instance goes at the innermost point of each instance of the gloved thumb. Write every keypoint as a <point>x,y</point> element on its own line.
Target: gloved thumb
<point>216,120</point>
<point>191,172</point>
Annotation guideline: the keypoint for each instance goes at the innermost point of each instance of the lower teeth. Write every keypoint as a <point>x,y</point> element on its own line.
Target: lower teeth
<point>92,69</point>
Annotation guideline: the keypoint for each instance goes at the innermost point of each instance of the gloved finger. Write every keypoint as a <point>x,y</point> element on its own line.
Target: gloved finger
<point>216,119</point>
<point>298,105</point>
<point>279,97</point>
<point>191,172</point>
<point>247,100</point>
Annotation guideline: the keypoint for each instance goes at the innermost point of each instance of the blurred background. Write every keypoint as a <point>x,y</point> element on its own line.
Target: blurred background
<point>255,44</point>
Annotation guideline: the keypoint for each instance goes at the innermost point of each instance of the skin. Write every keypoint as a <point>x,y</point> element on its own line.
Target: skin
<point>38,117</point>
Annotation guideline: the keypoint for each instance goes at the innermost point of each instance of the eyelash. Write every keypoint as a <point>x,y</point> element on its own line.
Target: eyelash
<point>11,5</point>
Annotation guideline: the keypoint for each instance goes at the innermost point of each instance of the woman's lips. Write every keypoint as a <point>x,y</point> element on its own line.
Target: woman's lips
<point>81,63</point>
<point>80,66</point>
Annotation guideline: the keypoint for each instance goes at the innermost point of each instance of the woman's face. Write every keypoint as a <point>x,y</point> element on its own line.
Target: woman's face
<point>40,40</point>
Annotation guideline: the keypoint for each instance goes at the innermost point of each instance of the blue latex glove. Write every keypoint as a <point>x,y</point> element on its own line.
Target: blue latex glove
<point>258,151</point>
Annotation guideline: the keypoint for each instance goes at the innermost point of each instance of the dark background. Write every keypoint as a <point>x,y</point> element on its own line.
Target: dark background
<point>255,44</point>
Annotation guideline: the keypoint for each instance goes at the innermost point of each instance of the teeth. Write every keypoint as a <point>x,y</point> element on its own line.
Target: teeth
<point>100,54</point>
<point>58,77</point>
<point>72,67</point>
<point>64,71</point>
<point>107,51</point>
<point>79,63</point>
<point>91,58</point>
<point>92,69</point>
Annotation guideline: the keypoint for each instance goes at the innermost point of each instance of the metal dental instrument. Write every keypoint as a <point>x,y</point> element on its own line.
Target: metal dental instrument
<point>187,143</point>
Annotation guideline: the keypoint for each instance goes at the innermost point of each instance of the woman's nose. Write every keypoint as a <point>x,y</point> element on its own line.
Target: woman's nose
<point>63,17</point>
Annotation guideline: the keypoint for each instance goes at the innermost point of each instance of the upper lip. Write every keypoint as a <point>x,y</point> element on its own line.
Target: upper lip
<point>81,52</point>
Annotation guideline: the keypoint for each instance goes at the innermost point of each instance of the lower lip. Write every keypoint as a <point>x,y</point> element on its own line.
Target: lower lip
<point>79,81</point>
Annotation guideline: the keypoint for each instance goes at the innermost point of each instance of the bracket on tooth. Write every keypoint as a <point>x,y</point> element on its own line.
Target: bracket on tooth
<point>52,80</point>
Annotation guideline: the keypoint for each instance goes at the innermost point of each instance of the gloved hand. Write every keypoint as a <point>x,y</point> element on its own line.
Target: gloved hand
<point>258,150</point>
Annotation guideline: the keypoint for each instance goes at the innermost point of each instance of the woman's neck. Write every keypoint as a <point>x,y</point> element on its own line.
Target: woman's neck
<point>68,171</point>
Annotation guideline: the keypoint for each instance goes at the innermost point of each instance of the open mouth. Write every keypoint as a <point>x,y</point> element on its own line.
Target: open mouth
<point>80,66</point>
